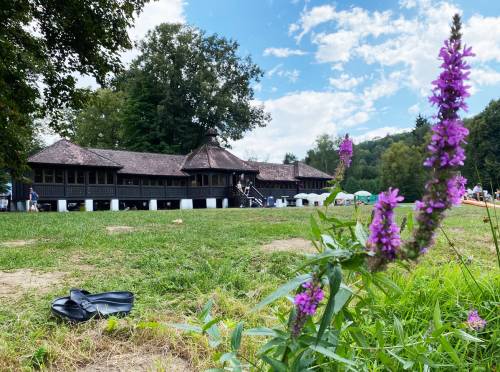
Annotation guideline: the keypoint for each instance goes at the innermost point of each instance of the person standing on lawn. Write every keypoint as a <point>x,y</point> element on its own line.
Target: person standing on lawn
<point>33,198</point>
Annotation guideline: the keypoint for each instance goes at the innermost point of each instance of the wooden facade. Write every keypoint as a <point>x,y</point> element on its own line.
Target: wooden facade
<point>65,171</point>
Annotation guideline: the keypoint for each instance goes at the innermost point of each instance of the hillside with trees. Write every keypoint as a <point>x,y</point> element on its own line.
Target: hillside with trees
<point>395,160</point>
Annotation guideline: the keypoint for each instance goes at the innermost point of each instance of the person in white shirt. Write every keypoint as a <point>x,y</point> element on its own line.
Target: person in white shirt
<point>477,192</point>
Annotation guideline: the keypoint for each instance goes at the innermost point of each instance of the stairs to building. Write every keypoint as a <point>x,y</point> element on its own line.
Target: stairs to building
<point>250,197</point>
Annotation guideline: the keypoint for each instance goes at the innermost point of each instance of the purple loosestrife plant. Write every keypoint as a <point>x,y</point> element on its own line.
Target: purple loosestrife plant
<point>345,151</point>
<point>474,321</point>
<point>445,187</point>
<point>306,303</point>
<point>384,239</point>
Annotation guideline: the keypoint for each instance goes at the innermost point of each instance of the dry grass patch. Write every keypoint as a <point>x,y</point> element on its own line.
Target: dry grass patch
<point>14,283</point>
<point>18,243</point>
<point>138,361</point>
<point>119,229</point>
<point>293,245</point>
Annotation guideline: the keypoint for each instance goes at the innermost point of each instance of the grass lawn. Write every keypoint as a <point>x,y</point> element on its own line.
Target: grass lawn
<point>175,268</point>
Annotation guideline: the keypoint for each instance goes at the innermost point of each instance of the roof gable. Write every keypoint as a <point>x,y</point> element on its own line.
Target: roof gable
<point>64,152</point>
<point>210,156</point>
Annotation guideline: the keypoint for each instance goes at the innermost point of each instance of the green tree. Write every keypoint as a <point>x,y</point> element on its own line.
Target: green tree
<point>483,149</point>
<point>184,82</point>
<point>44,44</point>
<point>290,158</point>
<point>100,123</point>
<point>401,167</point>
<point>324,156</point>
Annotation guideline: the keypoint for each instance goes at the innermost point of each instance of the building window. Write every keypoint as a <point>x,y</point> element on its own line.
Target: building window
<point>38,175</point>
<point>76,177</point>
<point>179,182</point>
<point>128,181</point>
<point>218,179</point>
<point>59,176</point>
<point>153,182</point>
<point>48,176</point>
<point>92,177</point>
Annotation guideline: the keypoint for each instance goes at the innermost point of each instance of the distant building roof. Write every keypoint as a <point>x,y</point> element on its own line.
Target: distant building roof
<point>208,156</point>
<point>65,152</point>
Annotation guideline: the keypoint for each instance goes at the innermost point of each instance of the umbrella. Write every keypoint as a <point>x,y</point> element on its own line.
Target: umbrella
<point>301,196</point>
<point>341,195</point>
<point>349,196</point>
<point>362,193</point>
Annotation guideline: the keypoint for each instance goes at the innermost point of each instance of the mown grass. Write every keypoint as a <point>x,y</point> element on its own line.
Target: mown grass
<point>174,269</point>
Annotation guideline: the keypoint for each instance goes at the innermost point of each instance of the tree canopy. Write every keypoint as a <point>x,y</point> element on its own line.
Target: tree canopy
<point>44,44</point>
<point>184,82</point>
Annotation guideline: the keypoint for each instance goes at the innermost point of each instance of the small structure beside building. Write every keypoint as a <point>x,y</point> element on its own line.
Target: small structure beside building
<point>65,174</point>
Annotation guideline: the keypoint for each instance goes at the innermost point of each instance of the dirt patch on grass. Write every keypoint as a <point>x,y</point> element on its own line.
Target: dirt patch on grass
<point>294,245</point>
<point>138,362</point>
<point>14,283</point>
<point>18,243</point>
<point>119,229</point>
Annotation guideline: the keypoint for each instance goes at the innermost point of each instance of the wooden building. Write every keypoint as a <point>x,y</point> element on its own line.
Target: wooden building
<point>114,179</point>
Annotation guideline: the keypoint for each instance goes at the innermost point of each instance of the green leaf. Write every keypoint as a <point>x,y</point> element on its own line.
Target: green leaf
<point>398,327</point>
<point>331,198</point>
<point>186,327</point>
<point>209,324</point>
<point>330,354</point>
<point>261,331</point>
<point>339,253</point>
<point>466,336</point>
<point>437,316</point>
<point>361,234</point>
<point>450,350</point>
<point>315,228</point>
<point>236,336</point>
<point>214,337</point>
<point>334,278</point>
<point>275,364</point>
<point>205,312</point>
<point>407,364</point>
<point>386,361</point>
<point>342,296</point>
<point>383,282</point>
<point>409,222</point>
<point>283,290</point>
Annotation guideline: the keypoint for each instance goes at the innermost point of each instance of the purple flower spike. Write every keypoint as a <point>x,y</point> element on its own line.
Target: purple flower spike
<point>307,303</point>
<point>474,321</point>
<point>384,236</point>
<point>345,151</point>
<point>446,154</point>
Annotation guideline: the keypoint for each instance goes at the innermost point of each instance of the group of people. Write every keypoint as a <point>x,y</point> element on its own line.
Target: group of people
<point>479,194</point>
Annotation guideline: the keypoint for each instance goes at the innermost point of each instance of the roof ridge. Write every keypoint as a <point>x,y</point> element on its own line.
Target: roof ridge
<point>135,152</point>
<point>101,156</point>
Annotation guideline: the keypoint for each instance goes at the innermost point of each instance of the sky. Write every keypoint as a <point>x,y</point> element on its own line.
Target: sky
<point>358,67</point>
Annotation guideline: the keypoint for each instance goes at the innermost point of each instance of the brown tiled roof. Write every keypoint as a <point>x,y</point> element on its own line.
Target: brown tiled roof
<point>211,156</point>
<point>208,156</point>
<point>145,163</point>
<point>287,172</point>
<point>306,171</point>
<point>67,153</point>
<point>274,172</point>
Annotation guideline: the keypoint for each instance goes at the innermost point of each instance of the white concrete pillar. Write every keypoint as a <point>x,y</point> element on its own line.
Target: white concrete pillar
<point>62,206</point>
<point>89,205</point>
<point>186,204</point>
<point>225,203</point>
<point>114,205</point>
<point>153,205</point>
<point>298,203</point>
<point>285,202</point>
<point>27,205</point>
<point>211,203</point>
<point>20,206</point>
<point>279,203</point>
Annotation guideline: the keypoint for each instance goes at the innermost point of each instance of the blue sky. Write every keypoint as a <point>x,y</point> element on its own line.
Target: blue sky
<point>362,67</point>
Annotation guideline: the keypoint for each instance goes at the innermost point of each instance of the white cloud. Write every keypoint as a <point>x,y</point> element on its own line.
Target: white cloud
<point>283,52</point>
<point>485,76</point>
<point>379,133</point>
<point>278,70</point>
<point>414,109</point>
<point>335,47</point>
<point>299,118</point>
<point>312,18</point>
<point>346,82</point>
<point>483,34</point>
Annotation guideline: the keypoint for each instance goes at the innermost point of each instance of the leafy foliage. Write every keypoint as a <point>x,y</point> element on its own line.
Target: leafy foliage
<point>44,44</point>
<point>184,82</point>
